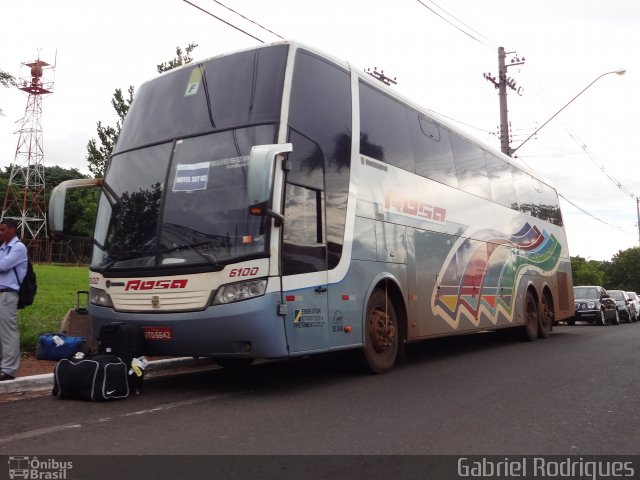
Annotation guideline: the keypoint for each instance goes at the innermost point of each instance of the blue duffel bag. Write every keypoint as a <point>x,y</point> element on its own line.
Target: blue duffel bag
<point>56,346</point>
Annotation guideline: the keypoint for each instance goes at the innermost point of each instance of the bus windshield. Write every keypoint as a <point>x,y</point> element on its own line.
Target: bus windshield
<point>201,214</point>
<point>175,188</point>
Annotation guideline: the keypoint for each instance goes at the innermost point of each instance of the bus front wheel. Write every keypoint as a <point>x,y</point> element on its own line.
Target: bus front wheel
<point>380,333</point>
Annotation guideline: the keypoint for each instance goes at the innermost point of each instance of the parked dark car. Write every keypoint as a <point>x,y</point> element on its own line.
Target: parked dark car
<point>626,308</point>
<point>594,304</point>
<point>636,302</point>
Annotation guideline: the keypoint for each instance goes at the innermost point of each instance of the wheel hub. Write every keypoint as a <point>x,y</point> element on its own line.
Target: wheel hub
<point>383,331</point>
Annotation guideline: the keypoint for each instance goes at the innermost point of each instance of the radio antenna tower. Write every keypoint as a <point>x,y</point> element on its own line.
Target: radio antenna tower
<point>24,200</point>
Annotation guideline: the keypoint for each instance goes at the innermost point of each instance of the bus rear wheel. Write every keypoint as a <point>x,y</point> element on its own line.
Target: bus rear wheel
<point>547,317</point>
<point>380,333</point>
<point>531,318</point>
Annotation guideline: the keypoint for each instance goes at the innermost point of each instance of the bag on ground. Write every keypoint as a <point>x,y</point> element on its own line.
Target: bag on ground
<point>56,346</point>
<point>76,323</point>
<point>99,378</point>
<point>127,342</point>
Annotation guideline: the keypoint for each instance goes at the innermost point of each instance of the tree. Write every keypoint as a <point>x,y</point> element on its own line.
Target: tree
<point>81,204</point>
<point>98,155</point>
<point>624,271</point>
<point>586,273</point>
<point>53,176</point>
<point>7,81</point>
<point>179,60</point>
<point>99,151</point>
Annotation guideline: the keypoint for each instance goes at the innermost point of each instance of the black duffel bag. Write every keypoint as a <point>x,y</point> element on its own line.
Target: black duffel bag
<point>99,378</point>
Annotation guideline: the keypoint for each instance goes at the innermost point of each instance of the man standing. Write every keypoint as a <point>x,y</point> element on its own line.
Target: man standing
<point>13,268</point>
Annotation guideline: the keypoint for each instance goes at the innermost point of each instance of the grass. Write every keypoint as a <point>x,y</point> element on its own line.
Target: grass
<point>57,287</point>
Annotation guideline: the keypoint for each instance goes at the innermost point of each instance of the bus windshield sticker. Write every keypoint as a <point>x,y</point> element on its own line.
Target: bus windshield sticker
<point>236,162</point>
<point>191,177</point>
<point>194,82</point>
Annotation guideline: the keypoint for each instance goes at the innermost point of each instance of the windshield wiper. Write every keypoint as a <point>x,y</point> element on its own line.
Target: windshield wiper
<point>123,255</point>
<point>193,247</point>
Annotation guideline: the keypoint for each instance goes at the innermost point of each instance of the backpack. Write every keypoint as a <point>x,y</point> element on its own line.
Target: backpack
<point>28,286</point>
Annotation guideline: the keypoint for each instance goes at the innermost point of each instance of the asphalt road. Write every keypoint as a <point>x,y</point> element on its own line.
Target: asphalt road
<point>576,393</point>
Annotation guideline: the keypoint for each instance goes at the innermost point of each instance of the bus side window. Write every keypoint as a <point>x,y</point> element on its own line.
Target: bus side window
<point>304,246</point>
<point>525,191</point>
<point>384,129</point>
<point>432,150</point>
<point>470,167</point>
<point>549,205</point>
<point>501,181</point>
<point>307,162</point>
<point>320,130</point>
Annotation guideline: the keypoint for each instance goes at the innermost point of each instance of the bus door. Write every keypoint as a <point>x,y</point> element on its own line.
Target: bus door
<point>304,269</point>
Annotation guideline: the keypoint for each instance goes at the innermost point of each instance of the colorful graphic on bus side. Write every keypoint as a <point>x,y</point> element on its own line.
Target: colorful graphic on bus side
<point>480,275</point>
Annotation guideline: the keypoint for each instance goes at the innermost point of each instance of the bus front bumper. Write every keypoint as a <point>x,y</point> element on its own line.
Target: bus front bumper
<point>250,328</point>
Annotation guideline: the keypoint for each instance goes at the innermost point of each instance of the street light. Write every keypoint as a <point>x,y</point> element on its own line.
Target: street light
<point>621,71</point>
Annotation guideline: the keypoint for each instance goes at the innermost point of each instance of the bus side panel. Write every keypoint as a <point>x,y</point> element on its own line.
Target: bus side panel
<point>461,283</point>
<point>431,249</point>
<point>375,246</point>
<point>563,292</point>
<point>348,299</point>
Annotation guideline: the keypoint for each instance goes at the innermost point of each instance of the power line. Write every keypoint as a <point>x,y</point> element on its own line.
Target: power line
<point>248,19</point>
<point>455,26</point>
<point>594,217</point>
<point>460,122</point>
<point>613,180</point>
<point>493,45</point>
<point>223,21</point>
<point>574,136</point>
<point>580,208</point>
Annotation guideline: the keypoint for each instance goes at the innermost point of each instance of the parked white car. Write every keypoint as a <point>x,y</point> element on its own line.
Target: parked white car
<point>636,301</point>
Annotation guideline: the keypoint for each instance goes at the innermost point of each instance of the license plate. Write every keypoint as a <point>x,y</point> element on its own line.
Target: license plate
<point>157,333</point>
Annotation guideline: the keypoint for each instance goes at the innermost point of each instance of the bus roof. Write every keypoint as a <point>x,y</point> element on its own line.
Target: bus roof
<point>365,77</point>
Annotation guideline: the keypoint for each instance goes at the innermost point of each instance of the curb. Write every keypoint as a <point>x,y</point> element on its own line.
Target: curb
<point>45,380</point>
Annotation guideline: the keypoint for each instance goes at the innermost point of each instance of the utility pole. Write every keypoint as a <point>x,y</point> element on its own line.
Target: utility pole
<point>638,208</point>
<point>501,85</point>
<point>502,95</point>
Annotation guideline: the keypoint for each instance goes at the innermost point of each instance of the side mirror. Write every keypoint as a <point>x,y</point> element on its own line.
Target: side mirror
<point>261,172</point>
<point>58,198</point>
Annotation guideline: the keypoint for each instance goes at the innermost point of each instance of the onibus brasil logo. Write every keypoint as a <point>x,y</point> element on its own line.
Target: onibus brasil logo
<point>38,469</point>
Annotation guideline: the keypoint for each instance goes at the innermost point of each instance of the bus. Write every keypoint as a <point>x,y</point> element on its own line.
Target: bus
<point>277,202</point>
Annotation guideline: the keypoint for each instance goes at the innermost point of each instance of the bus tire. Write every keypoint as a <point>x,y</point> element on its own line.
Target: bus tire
<point>547,317</point>
<point>380,333</point>
<point>531,318</point>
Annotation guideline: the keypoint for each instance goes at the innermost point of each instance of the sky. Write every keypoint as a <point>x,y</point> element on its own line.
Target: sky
<point>589,151</point>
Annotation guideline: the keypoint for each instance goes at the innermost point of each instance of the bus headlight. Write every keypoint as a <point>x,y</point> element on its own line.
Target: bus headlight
<point>98,296</point>
<point>234,292</point>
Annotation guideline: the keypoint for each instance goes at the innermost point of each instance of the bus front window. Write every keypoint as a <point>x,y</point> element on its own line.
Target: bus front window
<point>199,217</point>
<point>206,215</point>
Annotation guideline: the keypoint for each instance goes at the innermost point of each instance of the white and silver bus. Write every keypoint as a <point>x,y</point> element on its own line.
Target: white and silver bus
<point>277,202</point>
